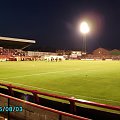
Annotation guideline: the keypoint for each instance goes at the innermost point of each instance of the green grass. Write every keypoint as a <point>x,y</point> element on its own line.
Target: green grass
<point>90,80</point>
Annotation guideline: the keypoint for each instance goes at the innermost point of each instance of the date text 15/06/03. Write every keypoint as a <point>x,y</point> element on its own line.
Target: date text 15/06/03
<point>11,109</point>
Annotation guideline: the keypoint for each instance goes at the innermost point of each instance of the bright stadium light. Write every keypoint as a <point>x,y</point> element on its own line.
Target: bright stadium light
<point>84,28</point>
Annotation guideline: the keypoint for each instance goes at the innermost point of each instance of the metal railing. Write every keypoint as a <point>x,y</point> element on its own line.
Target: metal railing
<point>32,111</point>
<point>71,100</point>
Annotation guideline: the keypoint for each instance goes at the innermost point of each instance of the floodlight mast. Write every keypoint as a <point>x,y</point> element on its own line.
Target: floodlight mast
<point>84,29</point>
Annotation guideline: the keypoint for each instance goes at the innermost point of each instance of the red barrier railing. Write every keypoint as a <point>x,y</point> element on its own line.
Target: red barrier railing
<point>71,100</point>
<point>44,108</point>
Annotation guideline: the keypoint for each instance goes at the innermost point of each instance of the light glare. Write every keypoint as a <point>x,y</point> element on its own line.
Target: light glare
<point>84,28</point>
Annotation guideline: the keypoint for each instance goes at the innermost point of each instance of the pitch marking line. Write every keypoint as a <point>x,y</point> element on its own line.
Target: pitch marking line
<point>43,73</point>
<point>102,99</point>
<point>40,74</point>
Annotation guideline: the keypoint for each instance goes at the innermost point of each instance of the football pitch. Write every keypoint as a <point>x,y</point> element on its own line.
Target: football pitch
<point>90,80</point>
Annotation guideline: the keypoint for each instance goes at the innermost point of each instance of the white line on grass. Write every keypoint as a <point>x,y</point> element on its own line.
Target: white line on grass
<point>40,74</point>
<point>102,99</point>
<point>43,73</point>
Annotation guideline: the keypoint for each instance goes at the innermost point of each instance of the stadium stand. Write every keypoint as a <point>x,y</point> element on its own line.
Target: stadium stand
<point>15,43</point>
<point>12,48</point>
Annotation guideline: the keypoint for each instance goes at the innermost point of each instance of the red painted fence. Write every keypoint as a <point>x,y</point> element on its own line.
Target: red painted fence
<point>72,101</point>
<point>75,117</point>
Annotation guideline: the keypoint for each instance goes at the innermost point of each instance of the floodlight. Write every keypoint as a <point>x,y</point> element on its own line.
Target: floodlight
<point>84,28</point>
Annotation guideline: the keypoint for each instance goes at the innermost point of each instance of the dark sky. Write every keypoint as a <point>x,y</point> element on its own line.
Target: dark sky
<point>54,23</point>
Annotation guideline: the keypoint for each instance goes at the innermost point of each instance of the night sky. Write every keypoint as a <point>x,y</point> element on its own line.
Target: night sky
<point>54,23</point>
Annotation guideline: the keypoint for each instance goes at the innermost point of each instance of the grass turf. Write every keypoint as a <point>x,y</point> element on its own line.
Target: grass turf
<point>91,80</point>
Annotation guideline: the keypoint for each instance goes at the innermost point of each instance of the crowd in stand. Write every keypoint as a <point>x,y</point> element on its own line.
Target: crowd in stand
<point>11,52</point>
